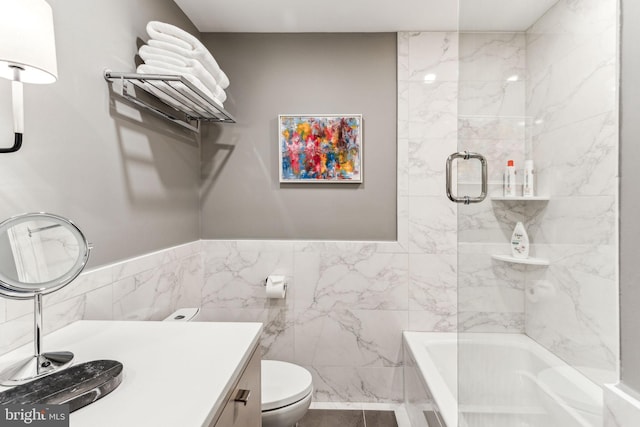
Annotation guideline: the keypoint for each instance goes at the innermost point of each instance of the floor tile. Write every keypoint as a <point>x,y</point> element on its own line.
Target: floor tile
<point>332,418</point>
<point>380,419</point>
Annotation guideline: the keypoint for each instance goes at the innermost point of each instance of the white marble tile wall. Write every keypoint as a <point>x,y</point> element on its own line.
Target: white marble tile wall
<point>148,287</point>
<point>572,306</point>
<point>491,122</point>
<point>346,306</point>
<point>428,111</point>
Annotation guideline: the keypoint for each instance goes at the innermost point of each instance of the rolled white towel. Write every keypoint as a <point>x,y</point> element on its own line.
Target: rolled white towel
<point>158,55</point>
<point>153,69</point>
<point>198,71</point>
<point>183,43</point>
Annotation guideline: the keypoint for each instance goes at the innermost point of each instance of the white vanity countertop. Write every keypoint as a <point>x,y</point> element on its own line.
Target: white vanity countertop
<point>176,374</point>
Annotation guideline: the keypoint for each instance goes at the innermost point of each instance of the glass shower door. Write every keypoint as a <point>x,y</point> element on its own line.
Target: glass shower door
<point>537,338</point>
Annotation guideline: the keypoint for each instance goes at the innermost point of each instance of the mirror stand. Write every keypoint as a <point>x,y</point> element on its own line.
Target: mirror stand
<point>40,364</point>
<point>41,253</point>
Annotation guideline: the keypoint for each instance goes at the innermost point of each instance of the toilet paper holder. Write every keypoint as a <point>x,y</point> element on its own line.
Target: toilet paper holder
<point>276,286</point>
<point>278,279</point>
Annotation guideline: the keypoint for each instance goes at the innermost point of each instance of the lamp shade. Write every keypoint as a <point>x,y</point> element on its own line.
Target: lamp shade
<point>27,41</point>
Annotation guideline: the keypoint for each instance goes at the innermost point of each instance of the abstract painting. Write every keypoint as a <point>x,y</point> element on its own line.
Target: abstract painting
<point>320,148</point>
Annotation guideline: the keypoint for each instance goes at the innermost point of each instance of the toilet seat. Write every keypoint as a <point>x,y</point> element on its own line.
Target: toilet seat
<point>283,384</point>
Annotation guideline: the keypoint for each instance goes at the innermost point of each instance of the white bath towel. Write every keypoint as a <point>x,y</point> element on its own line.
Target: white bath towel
<point>169,33</point>
<point>145,69</point>
<point>152,69</point>
<point>161,56</point>
<point>183,43</point>
<point>146,50</point>
<point>198,71</point>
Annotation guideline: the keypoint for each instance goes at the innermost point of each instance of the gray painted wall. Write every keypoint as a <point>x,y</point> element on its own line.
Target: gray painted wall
<point>275,74</point>
<point>129,180</point>
<point>630,196</point>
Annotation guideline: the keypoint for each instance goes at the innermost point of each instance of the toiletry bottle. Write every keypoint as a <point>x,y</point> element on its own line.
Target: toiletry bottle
<point>509,180</point>
<point>520,242</point>
<point>528,185</point>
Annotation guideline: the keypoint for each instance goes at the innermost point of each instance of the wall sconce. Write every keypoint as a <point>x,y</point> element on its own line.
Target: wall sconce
<point>27,53</point>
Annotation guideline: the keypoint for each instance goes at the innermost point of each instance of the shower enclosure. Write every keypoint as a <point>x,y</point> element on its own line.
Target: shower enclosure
<point>542,86</point>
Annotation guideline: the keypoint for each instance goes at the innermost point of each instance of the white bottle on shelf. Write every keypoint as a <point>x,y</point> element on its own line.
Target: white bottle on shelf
<point>528,185</point>
<point>509,180</point>
<point>520,242</point>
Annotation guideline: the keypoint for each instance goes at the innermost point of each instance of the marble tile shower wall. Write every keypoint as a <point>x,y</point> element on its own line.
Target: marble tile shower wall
<point>491,122</point>
<point>148,287</point>
<point>572,99</point>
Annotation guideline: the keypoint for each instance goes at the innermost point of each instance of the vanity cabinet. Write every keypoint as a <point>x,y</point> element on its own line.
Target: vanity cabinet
<point>184,374</point>
<point>243,409</point>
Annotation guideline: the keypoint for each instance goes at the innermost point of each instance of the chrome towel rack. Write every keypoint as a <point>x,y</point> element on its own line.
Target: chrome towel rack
<point>188,106</point>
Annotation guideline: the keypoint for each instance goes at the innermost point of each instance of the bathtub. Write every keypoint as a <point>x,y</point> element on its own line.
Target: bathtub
<point>506,380</point>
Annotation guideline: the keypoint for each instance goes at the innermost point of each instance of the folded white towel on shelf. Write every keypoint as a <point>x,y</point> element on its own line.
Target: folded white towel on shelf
<point>148,53</point>
<point>197,71</point>
<point>169,33</point>
<point>160,69</point>
<point>202,55</point>
<point>174,39</point>
<point>155,53</point>
<point>161,57</point>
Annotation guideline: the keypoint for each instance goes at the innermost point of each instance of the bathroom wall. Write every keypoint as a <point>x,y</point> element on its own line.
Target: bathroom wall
<point>148,287</point>
<point>275,74</point>
<point>349,301</point>
<point>572,307</point>
<point>129,180</point>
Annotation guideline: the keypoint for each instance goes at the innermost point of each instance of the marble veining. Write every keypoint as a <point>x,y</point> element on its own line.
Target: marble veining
<point>432,53</point>
<point>353,280</point>
<point>356,338</point>
<point>492,56</point>
<point>341,384</point>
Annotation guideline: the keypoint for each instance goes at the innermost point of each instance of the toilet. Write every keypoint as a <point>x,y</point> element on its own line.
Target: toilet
<point>286,393</point>
<point>286,387</point>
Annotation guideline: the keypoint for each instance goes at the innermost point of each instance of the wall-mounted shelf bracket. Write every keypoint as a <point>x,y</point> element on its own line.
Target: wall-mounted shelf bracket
<point>188,106</point>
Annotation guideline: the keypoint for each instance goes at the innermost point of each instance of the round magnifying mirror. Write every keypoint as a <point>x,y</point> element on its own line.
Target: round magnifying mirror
<point>39,253</point>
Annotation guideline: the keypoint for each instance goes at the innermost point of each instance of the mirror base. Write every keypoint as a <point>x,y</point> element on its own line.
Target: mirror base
<point>35,367</point>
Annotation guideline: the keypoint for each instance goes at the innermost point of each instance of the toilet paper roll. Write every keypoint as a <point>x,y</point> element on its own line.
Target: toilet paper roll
<point>276,287</point>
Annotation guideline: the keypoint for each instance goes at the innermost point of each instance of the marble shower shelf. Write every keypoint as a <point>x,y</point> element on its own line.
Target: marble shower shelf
<point>527,261</point>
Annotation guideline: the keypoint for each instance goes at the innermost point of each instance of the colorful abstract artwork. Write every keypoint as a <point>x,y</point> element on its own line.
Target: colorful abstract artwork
<point>320,148</point>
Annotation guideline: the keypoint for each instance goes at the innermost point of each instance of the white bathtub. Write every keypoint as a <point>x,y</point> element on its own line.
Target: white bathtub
<point>506,380</point>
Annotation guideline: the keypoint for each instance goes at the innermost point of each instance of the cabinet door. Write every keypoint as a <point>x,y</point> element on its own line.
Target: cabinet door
<point>245,413</point>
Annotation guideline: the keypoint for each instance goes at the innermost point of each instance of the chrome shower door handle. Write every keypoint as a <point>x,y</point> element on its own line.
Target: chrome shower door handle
<point>465,155</point>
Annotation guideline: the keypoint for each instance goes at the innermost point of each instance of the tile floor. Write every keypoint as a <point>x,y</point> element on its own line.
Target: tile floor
<point>348,418</point>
